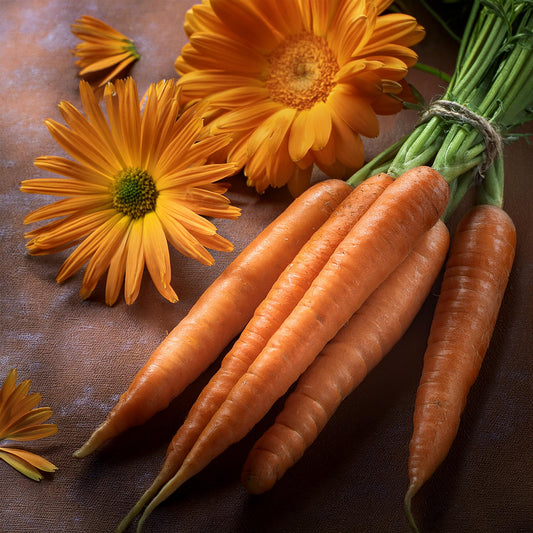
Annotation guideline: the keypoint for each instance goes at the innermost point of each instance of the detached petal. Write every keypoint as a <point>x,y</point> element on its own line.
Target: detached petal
<point>27,463</point>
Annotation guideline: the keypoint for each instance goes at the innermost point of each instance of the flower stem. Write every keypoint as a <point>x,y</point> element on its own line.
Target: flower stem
<point>434,71</point>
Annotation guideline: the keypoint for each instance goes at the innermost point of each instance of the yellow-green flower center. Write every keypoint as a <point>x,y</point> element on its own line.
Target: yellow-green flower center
<point>134,192</point>
<point>302,71</point>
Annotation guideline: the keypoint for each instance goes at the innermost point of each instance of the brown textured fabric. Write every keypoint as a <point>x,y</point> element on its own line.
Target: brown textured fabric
<point>82,355</point>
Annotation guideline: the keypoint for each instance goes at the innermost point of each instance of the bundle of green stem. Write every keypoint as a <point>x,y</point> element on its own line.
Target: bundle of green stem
<point>489,95</point>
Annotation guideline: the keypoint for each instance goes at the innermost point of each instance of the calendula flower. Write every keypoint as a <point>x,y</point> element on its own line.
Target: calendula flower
<point>296,82</point>
<point>104,52</point>
<point>138,180</point>
<point>22,420</point>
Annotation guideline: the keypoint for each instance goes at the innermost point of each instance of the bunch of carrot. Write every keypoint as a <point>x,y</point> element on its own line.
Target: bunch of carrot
<point>377,252</point>
<point>324,293</point>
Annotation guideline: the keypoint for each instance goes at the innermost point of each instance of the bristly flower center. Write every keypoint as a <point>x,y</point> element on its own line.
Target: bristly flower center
<point>302,71</point>
<point>134,192</point>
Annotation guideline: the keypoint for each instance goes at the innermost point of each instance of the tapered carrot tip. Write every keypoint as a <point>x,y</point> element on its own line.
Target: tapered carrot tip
<point>407,506</point>
<point>258,476</point>
<point>98,437</point>
<point>135,510</point>
<point>259,483</point>
<point>159,481</point>
<point>180,477</point>
<point>254,484</point>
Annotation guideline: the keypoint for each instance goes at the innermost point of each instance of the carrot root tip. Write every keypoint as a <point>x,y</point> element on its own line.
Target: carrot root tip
<point>254,485</point>
<point>144,499</point>
<point>82,452</point>
<point>98,437</point>
<point>88,448</point>
<point>407,507</point>
<point>126,521</point>
<point>168,488</point>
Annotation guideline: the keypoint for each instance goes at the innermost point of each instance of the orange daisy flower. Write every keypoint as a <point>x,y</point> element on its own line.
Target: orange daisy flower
<point>138,180</point>
<point>104,52</point>
<point>296,83</point>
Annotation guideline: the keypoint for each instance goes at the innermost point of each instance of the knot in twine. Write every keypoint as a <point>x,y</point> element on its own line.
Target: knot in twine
<point>450,110</point>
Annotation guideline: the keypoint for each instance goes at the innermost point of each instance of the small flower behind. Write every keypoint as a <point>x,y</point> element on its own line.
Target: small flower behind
<point>104,52</point>
<point>137,181</point>
<point>22,420</point>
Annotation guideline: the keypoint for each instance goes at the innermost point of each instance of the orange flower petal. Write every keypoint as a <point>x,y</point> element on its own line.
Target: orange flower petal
<point>135,262</point>
<point>311,129</point>
<point>231,53</point>
<point>272,131</point>
<point>246,24</point>
<point>354,110</point>
<point>395,28</point>
<point>348,144</point>
<point>183,240</point>
<point>103,254</point>
<point>157,256</point>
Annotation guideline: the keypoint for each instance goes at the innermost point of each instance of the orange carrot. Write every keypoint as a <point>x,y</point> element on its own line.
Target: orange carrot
<point>220,313</point>
<point>269,315</point>
<point>475,279</point>
<point>374,247</point>
<point>345,361</point>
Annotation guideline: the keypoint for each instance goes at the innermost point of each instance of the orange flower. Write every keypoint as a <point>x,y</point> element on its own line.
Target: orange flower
<point>20,420</point>
<point>104,52</point>
<point>296,83</point>
<point>139,179</point>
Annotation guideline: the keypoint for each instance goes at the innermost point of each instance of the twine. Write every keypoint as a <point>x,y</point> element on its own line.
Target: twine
<point>448,109</point>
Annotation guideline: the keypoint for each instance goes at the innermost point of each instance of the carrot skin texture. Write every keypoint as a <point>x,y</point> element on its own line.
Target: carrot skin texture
<point>475,279</point>
<point>281,299</point>
<point>269,315</point>
<point>375,246</point>
<point>345,361</point>
<point>208,327</point>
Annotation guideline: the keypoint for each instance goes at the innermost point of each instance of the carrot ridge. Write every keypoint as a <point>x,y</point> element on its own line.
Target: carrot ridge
<point>345,361</point>
<point>374,247</point>
<point>199,338</point>
<point>475,279</point>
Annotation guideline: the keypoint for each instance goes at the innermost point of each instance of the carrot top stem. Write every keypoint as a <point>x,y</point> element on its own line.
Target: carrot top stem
<point>491,188</point>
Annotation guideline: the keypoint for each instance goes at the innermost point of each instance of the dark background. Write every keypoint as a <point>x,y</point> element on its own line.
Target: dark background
<point>82,355</point>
